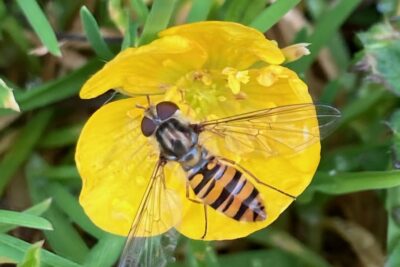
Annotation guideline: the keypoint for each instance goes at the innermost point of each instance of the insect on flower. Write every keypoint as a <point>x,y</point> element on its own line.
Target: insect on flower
<point>218,183</point>
<point>216,141</point>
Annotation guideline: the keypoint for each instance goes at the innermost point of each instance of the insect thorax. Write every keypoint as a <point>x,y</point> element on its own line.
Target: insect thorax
<point>177,139</point>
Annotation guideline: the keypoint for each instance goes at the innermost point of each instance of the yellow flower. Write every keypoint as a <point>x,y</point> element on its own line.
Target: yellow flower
<point>210,70</point>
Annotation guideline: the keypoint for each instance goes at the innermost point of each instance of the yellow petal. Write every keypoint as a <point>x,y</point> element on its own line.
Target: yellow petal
<point>150,69</point>
<point>115,162</point>
<point>229,44</point>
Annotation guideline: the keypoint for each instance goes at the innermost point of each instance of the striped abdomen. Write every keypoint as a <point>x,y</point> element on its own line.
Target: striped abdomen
<point>227,190</point>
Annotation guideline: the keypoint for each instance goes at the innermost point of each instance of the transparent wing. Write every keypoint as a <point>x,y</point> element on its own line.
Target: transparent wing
<point>275,131</point>
<point>152,239</point>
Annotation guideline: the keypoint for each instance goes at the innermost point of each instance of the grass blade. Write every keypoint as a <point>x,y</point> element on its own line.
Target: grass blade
<point>158,19</point>
<point>93,34</point>
<point>32,256</point>
<point>18,247</point>
<point>22,147</point>
<point>37,210</point>
<point>342,183</point>
<point>70,206</point>
<point>40,25</point>
<point>57,90</point>
<point>271,15</point>
<point>106,252</point>
<point>141,10</point>
<point>200,10</point>
<point>24,220</point>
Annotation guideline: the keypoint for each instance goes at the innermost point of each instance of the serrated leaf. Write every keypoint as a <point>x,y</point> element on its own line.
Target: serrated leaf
<point>382,55</point>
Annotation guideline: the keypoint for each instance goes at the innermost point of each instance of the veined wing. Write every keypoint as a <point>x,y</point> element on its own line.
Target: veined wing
<point>275,131</point>
<point>158,213</point>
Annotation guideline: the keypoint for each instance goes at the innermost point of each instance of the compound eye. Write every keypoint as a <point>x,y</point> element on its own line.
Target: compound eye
<point>166,109</point>
<point>148,126</point>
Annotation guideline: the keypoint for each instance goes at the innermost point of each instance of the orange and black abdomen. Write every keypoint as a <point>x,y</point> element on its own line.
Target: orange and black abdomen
<point>227,190</point>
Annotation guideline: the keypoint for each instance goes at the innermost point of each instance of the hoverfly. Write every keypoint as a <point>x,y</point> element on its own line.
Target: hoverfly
<point>218,183</point>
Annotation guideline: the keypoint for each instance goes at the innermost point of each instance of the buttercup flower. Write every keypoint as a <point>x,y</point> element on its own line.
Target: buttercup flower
<point>210,70</point>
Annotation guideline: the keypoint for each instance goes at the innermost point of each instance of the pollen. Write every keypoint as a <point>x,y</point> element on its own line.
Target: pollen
<point>270,75</point>
<point>236,78</point>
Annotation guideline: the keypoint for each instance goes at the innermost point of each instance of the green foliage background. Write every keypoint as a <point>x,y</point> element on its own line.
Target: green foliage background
<point>349,215</point>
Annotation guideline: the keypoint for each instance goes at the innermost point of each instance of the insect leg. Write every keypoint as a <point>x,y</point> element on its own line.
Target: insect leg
<point>205,222</point>
<point>233,163</point>
<point>188,195</point>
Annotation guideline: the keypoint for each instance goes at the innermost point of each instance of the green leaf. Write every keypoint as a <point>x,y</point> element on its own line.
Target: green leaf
<point>37,210</point>
<point>66,86</point>
<point>41,26</point>
<point>382,55</point>
<point>271,15</point>
<point>254,258</point>
<point>342,183</point>
<point>7,99</point>
<point>158,19</point>
<point>61,172</point>
<point>141,10</point>
<point>130,38</point>
<point>200,10</point>
<point>72,247</point>
<point>23,146</point>
<point>70,206</point>
<point>106,252</point>
<point>60,137</point>
<point>93,34</point>
<point>32,256</point>
<point>16,249</point>
<point>24,220</point>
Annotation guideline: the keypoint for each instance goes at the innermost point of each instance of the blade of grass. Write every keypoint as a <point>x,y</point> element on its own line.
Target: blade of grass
<point>252,11</point>
<point>40,25</point>
<point>32,256</point>
<point>199,10</point>
<point>23,146</point>
<point>61,137</point>
<point>393,200</point>
<point>130,38</point>
<point>235,10</point>
<point>271,15</point>
<point>19,247</point>
<point>106,252</point>
<point>93,34</point>
<point>37,210</point>
<point>24,220</point>
<point>342,183</point>
<point>64,240</point>
<point>61,172</point>
<point>141,10</point>
<point>158,19</point>
<point>325,28</point>
<point>70,206</point>
<point>54,91</point>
